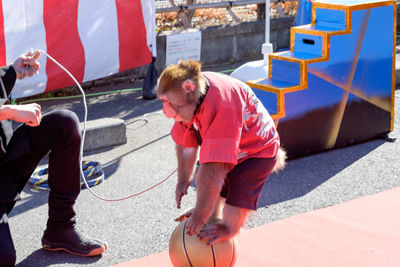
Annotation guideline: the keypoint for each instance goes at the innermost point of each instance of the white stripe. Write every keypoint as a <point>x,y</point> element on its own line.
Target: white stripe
<point>23,30</point>
<point>98,30</point>
<point>149,17</point>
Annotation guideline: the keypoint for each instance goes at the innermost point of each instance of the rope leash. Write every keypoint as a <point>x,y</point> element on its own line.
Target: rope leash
<point>83,138</point>
<point>92,170</point>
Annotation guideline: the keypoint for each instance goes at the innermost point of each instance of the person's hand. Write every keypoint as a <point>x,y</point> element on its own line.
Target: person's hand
<point>194,224</point>
<point>215,233</point>
<point>27,65</point>
<point>185,215</point>
<point>29,114</point>
<point>180,191</point>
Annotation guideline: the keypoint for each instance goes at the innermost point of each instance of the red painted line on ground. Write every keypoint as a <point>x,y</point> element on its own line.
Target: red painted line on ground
<point>363,232</point>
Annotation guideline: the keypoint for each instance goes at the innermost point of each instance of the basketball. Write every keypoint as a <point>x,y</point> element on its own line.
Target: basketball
<point>190,251</point>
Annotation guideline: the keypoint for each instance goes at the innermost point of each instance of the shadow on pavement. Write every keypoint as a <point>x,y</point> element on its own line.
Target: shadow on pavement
<point>42,258</point>
<point>302,175</point>
<point>32,198</point>
<point>37,197</point>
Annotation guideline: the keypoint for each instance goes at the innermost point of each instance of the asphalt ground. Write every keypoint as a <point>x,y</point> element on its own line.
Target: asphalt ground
<point>142,225</point>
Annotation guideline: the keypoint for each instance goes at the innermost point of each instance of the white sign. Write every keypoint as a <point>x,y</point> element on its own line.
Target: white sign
<point>185,45</point>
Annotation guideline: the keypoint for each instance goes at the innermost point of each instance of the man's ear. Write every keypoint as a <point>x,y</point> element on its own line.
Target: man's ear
<point>188,86</point>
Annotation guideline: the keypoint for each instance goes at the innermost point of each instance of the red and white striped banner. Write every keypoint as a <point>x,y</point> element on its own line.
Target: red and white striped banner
<point>92,39</point>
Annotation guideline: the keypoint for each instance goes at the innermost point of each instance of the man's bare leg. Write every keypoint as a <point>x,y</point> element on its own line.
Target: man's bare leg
<point>219,207</point>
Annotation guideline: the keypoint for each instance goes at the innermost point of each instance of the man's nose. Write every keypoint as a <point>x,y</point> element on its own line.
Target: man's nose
<point>168,110</point>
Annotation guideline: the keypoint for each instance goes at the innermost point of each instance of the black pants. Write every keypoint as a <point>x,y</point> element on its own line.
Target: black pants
<point>60,135</point>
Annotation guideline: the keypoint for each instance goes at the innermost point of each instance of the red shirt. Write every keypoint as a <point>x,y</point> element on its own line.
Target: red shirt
<point>233,124</point>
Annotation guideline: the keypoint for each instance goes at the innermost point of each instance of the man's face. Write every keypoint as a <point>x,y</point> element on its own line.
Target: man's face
<point>176,106</point>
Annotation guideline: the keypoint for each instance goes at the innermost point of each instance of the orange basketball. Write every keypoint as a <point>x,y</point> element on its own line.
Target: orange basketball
<point>190,251</point>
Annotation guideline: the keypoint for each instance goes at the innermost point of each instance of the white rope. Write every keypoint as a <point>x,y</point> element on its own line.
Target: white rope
<point>83,138</point>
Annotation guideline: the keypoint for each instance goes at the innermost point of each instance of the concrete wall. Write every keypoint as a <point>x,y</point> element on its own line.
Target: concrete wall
<point>227,44</point>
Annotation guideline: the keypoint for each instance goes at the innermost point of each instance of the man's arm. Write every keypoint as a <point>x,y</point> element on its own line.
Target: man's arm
<point>209,180</point>
<point>7,81</point>
<point>24,66</point>
<point>186,157</point>
<point>29,113</point>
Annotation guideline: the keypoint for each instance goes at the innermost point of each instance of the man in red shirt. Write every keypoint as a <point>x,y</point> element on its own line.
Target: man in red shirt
<point>238,142</point>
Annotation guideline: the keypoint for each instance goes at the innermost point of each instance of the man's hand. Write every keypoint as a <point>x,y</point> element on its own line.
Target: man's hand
<point>180,191</point>
<point>195,223</point>
<point>29,114</point>
<point>187,157</point>
<point>209,180</point>
<point>27,65</point>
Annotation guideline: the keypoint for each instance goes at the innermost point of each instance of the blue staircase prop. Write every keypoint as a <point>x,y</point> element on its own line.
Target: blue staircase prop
<point>303,14</point>
<point>335,86</point>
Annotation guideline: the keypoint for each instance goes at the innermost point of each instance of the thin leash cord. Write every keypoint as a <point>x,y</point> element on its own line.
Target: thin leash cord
<point>83,138</point>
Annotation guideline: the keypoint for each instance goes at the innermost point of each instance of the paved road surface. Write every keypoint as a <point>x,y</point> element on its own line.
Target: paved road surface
<point>142,225</point>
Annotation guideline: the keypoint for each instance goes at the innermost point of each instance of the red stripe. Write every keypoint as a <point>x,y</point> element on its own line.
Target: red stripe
<point>2,38</point>
<point>133,50</point>
<point>63,43</point>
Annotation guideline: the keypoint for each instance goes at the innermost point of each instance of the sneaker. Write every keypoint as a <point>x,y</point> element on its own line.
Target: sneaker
<point>73,242</point>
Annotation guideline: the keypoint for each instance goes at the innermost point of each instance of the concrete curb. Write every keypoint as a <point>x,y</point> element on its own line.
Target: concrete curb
<point>104,132</point>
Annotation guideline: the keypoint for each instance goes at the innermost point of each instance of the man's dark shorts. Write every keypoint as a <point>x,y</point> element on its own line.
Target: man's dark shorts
<point>245,182</point>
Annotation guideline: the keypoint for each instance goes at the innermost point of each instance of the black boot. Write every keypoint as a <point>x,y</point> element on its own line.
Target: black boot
<point>73,242</point>
<point>7,250</point>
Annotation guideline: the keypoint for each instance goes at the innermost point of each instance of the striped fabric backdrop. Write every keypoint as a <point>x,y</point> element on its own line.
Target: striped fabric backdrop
<point>91,38</point>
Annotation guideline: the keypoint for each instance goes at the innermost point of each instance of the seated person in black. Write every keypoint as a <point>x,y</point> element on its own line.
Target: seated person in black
<point>22,149</point>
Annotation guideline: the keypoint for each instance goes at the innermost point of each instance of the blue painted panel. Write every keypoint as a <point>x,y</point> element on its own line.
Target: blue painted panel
<point>319,94</point>
<point>351,91</point>
<point>330,18</point>
<point>306,43</point>
<point>298,55</point>
<point>286,71</point>
<point>276,83</point>
<point>326,28</point>
<point>268,99</point>
<point>304,12</point>
<point>373,76</point>
<point>343,52</point>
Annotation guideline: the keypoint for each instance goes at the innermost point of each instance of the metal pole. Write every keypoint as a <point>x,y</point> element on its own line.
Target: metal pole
<point>267,9</point>
<point>267,47</point>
